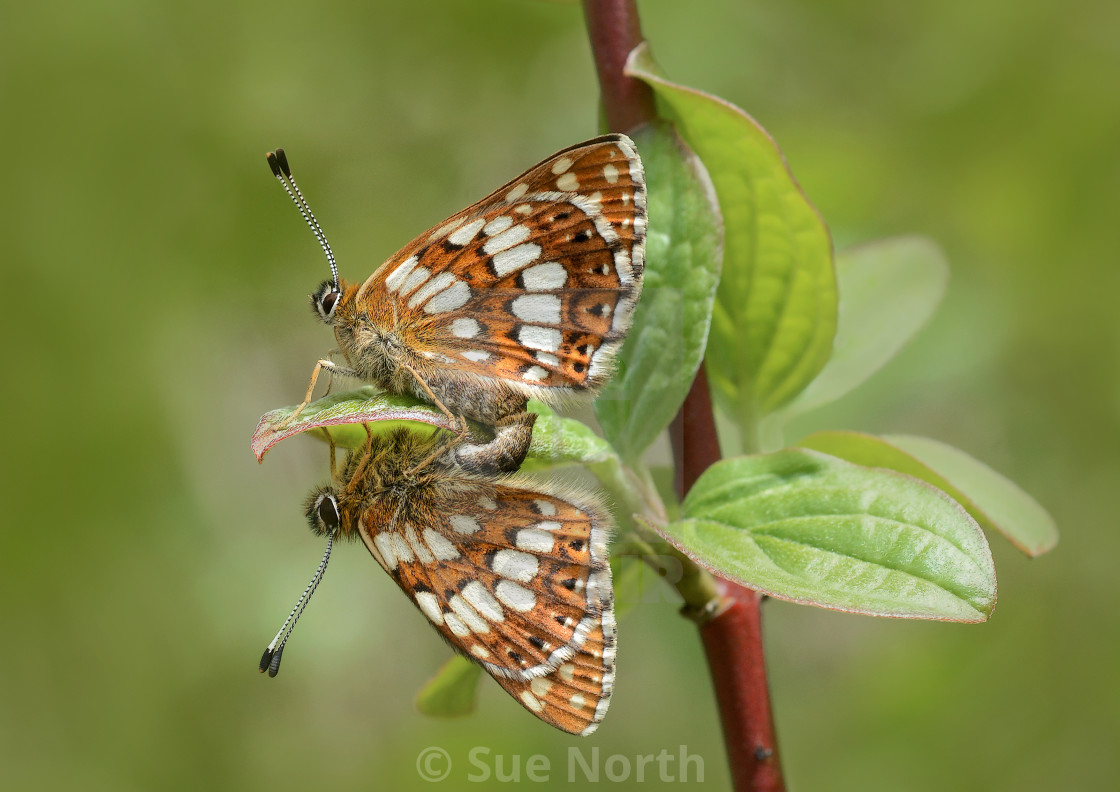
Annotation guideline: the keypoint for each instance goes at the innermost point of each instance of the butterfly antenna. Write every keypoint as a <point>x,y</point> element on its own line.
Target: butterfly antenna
<point>270,660</point>
<point>278,162</point>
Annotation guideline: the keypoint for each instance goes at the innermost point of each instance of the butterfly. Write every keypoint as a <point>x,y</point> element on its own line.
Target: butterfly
<point>511,571</point>
<point>527,293</point>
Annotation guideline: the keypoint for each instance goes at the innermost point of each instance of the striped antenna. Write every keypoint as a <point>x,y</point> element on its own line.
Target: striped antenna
<point>270,660</point>
<point>278,162</point>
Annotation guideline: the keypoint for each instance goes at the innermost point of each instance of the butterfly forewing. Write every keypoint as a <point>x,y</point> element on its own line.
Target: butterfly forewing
<point>514,578</point>
<point>535,284</point>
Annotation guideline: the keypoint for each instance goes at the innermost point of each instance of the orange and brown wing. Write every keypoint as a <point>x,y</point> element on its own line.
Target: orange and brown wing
<point>537,283</point>
<point>576,695</point>
<point>515,579</point>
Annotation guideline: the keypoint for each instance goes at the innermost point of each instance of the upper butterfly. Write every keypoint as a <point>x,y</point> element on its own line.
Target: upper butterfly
<point>527,293</point>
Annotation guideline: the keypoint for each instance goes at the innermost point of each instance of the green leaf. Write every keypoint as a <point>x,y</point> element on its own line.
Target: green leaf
<point>993,501</point>
<point>808,527</point>
<point>451,692</point>
<point>775,313</point>
<point>559,441</point>
<point>344,413</point>
<point>666,342</point>
<point>888,290</point>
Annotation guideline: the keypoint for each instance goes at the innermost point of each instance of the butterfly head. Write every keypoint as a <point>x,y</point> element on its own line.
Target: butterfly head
<point>323,513</point>
<point>325,300</point>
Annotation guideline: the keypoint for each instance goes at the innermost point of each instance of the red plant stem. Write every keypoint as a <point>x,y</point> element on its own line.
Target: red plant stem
<point>732,637</point>
<point>614,29</point>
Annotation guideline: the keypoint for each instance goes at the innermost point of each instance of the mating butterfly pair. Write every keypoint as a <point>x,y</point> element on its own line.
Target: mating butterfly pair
<point>528,293</point>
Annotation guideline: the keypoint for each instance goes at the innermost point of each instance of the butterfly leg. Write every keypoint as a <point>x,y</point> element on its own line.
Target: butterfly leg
<point>458,421</point>
<point>332,369</point>
<point>366,453</point>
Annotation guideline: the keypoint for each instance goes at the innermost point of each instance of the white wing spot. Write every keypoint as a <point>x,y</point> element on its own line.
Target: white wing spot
<point>540,686</point>
<point>531,701</point>
<point>535,374</point>
<point>393,282</point>
<point>384,543</point>
<point>596,367</point>
<point>414,279</point>
<point>595,197</point>
<point>422,553</point>
<point>446,228</point>
<point>469,615</point>
<point>515,565</point>
<point>476,594</point>
<point>430,606</point>
<point>568,182</point>
<point>548,359</point>
<point>497,225</point>
<point>401,549</point>
<point>625,198</point>
<point>455,624</point>
<point>464,524</point>
<point>576,701</point>
<point>514,596</point>
<point>487,503</point>
<point>547,339</point>
<point>521,256</point>
<point>476,355</point>
<point>566,671</point>
<point>547,508</point>
<point>506,239</point>
<point>538,308</point>
<point>610,173</point>
<point>441,548</point>
<point>535,541</point>
<point>561,165</point>
<point>480,651</point>
<point>464,327</point>
<point>549,525</point>
<point>545,277</point>
<point>468,232</point>
<point>523,209</point>
<point>450,299</point>
<point>517,192</point>
<point>436,284</point>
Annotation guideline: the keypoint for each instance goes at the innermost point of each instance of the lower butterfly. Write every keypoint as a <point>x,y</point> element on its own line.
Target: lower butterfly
<point>512,572</point>
<point>528,293</point>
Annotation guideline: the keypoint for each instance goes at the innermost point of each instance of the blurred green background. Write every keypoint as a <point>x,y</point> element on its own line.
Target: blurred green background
<point>155,283</point>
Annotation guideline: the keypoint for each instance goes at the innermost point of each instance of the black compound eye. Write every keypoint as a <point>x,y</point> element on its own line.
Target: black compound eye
<point>325,300</point>
<point>328,512</point>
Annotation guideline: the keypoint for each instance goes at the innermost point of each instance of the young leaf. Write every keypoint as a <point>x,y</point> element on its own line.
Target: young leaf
<point>344,413</point>
<point>810,528</point>
<point>560,441</point>
<point>888,291</point>
<point>775,313</point>
<point>993,501</point>
<point>451,692</point>
<point>666,342</point>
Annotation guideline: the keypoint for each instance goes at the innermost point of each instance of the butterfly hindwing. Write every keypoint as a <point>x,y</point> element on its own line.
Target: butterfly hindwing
<point>575,696</point>
<point>514,578</point>
<point>535,284</point>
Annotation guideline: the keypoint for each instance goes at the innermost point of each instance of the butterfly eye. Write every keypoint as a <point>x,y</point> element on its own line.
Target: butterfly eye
<point>322,512</point>
<point>325,300</point>
<point>328,512</point>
